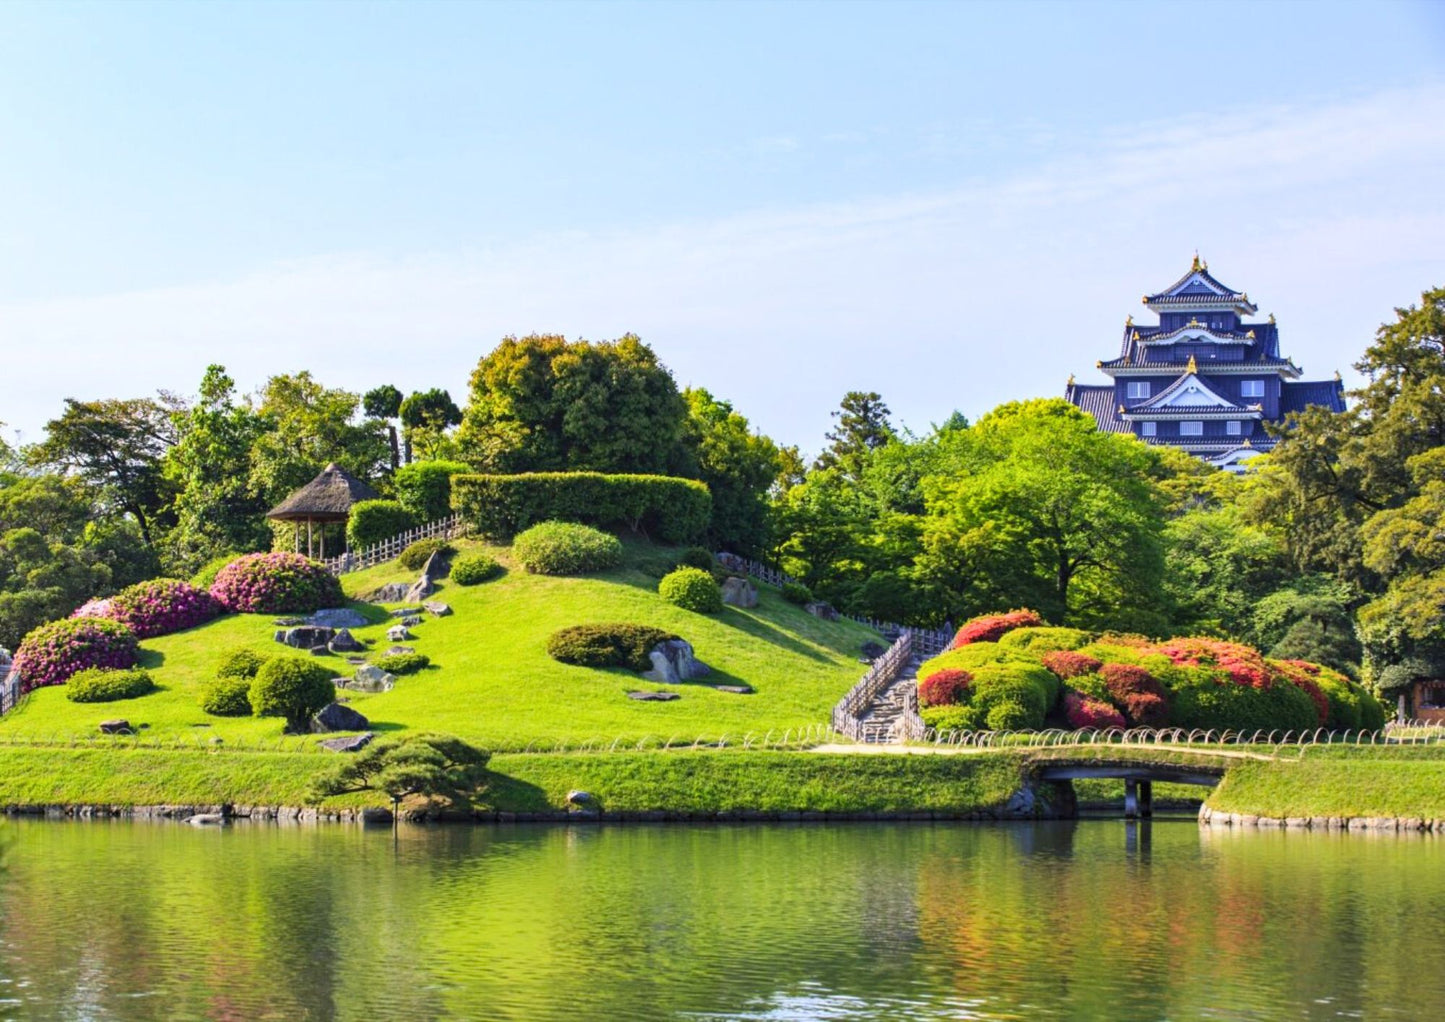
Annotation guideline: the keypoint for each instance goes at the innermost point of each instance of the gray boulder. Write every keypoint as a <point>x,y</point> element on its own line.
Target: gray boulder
<point>337,617</point>
<point>392,592</point>
<point>305,636</point>
<point>580,798</point>
<point>348,743</point>
<point>398,633</point>
<point>437,609</point>
<point>344,642</point>
<point>872,651</point>
<point>437,567</point>
<point>338,717</point>
<point>410,622</point>
<point>653,697</point>
<point>739,592</point>
<point>115,727</point>
<point>398,650</point>
<point>407,612</point>
<point>420,590</point>
<point>673,662</point>
<point>370,678</point>
<point>822,610</point>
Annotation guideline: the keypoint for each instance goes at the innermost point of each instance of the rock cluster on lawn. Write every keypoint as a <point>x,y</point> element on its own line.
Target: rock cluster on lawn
<point>398,633</point>
<point>344,642</point>
<point>437,609</point>
<point>338,717</point>
<point>337,617</point>
<point>305,637</point>
<point>392,592</point>
<point>369,678</point>
<point>673,662</point>
<point>739,592</point>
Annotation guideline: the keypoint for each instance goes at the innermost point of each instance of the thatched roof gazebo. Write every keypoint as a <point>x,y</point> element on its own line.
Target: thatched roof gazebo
<point>327,498</point>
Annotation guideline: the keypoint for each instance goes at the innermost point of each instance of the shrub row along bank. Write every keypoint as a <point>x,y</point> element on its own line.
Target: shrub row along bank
<point>668,509</point>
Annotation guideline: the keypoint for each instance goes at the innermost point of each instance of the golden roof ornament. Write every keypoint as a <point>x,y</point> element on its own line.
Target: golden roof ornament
<point>1099,364</point>
<point>1134,335</point>
<point>1193,322</point>
<point>1338,377</point>
<point>1250,335</point>
<point>1193,365</point>
<point>1196,267</point>
<point>1129,320</point>
<point>1121,409</point>
<point>1246,443</point>
<point>1071,380</point>
<point>1271,318</point>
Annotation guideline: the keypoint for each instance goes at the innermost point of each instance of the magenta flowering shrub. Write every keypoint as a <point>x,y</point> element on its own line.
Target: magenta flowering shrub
<point>1083,712</point>
<point>157,607</point>
<point>276,583</point>
<point>50,654</point>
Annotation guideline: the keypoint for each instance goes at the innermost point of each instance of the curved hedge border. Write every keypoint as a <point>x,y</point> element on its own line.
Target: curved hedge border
<point>666,508</point>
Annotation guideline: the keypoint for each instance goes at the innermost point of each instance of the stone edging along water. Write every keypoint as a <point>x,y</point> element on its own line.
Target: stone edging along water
<point>1379,824</point>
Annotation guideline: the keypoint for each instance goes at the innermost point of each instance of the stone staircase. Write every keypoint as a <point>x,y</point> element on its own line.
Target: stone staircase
<point>879,718</point>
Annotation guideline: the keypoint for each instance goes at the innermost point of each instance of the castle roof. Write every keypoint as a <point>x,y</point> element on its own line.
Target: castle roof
<point>1199,287</point>
<point>1296,397</point>
<point>1099,402</point>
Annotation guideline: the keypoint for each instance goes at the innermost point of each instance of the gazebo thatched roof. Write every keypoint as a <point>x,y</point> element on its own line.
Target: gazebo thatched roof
<point>327,498</point>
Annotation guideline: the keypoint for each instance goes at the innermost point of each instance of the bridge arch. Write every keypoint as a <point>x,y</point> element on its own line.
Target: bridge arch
<point>1138,777</point>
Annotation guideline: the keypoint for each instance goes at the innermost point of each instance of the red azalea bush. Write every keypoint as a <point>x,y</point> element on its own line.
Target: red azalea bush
<point>1145,709</point>
<point>50,654</point>
<point>1245,666</point>
<point>157,607</point>
<point>1302,674</point>
<point>1083,712</point>
<point>276,583</point>
<point>947,687</point>
<point>991,626</point>
<point>1143,698</point>
<point>1070,664</point>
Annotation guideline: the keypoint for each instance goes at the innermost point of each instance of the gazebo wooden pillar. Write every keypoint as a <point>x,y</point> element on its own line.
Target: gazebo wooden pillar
<point>326,499</point>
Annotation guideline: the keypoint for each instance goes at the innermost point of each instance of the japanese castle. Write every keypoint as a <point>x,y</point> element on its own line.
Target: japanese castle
<point>1204,380</point>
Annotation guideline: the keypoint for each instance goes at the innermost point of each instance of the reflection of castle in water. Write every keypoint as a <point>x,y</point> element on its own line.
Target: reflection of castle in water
<point>1204,380</point>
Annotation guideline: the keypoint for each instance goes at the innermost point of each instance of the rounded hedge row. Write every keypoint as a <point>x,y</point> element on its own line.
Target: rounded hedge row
<point>52,653</point>
<point>276,583</point>
<point>1059,677</point>
<point>107,684</point>
<point>474,569</point>
<point>566,548</point>
<point>157,607</point>
<point>227,696</point>
<point>796,592</point>
<point>375,521</point>
<point>607,645</point>
<point>691,589</point>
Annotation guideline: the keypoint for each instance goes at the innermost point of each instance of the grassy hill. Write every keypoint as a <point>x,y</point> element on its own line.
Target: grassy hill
<point>492,682</point>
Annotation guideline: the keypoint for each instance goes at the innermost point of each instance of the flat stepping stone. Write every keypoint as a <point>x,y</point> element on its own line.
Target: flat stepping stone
<point>741,690</point>
<point>653,697</point>
<point>350,743</point>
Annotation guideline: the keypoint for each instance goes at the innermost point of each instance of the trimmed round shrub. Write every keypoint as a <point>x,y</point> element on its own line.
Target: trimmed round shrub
<point>697,557</point>
<point>157,607</point>
<point>992,627</point>
<point>415,556</point>
<point>1083,711</point>
<point>50,654</point>
<point>241,662</point>
<point>206,577</point>
<point>1067,663</point>
<point>796,592</point>
<point>227,696</point>
<point>1045,640</point>
<point>566,548</point>
<point>276,583</point>
<point>375,521</point>
<point>945,719</point>
<point>948,687</point>
<point>691,589</point>
<point>107,684</point>
<point>403,663</point>
<point>607,645</point>
<point>474,569</point>
<point>1011,715</point>
<point>1029,685</point>
<point>292,687</point>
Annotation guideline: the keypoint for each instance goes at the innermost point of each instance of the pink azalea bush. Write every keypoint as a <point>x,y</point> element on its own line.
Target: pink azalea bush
<point>276,583</point>
<point>157,607</point>
<point>1082,711</point>
<point>50,654</point>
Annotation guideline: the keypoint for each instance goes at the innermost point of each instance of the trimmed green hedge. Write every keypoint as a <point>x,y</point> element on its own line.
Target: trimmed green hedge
<point>104,685</point>
<point>566,548</point>
<point>691,589</point>
<point>425,487</point>
<point>292,687</point>
<point>667,509</point>
<point>607,645</point>
<point>403,663</point>
<point>474,569</point>
<point>227,695</point>
<point>374,521</point>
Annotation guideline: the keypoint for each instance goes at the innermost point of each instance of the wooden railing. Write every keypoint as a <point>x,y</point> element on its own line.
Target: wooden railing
<point>9,688</point>
<point>443,528</point>
<point>847,714</point>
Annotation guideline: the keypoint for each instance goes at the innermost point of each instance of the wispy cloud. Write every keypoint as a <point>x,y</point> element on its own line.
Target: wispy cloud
<point>1329,215</point>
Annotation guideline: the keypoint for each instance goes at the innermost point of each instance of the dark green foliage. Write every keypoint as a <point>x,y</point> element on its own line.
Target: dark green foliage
<point>241,662</point>
<point>862,428</point>
<point>227,696</point>
<point>738,465</point>
<point>292,687</point>
<point>1010,715</point>
<point>473,569</point>
<point>697,557</point>
<point>425,417</point>
<point>374,521</point>
<point>796,592</point>
<point>691,589</point>
<point>403,663</point>
<point>666,509</point>
<point>105,685</point>
<point>415,556</point>
<point>425,487</point>
<point>607,645</point>
<point>427,765</point>
<point>565,548</point>
<point>382,402</point>
<point>1281,707</point>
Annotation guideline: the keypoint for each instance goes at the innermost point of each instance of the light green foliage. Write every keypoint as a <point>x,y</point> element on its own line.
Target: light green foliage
<point>474,569</point>
<point>1011,715</point>
<point>661,507</point>
<point>945,719</point>
<point>544,404</point>
<point>292,687</point>
<point>428,765</point>
<point>415,556</point>
<point>796,592</point>
<point>403,663</point>
<point>425,487</point>
<point>692,589</point>
<point>565,548</point>
<point>1044,640</point>
<point>207,573</point>
<point>373,521</point>
<point>718,446</point>
<point>106,685</point>
<point>241,662</point>
<point>227,696</point>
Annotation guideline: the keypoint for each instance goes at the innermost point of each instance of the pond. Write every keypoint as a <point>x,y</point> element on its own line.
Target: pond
<point>1095,919</point>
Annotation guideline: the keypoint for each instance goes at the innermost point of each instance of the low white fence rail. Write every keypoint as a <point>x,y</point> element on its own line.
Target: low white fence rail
<point>355,560</point>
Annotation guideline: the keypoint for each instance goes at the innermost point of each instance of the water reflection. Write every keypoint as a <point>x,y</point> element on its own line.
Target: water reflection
<point>1099,919</point>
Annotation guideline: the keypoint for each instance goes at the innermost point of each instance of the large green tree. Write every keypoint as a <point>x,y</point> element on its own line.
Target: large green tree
<point>861,427</point>
<point>308,426</point>
<point>543,403</point>
<point>426,415</point>
<point>739,466</point>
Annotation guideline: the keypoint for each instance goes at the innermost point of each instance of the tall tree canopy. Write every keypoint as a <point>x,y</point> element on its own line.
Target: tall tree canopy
<point>739,466</point>
<point>862,427</point>
<point>309,426</point>
<point>543,403</point>
<point>426,416</point>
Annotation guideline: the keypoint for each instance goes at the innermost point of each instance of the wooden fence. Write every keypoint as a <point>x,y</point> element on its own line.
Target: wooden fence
<point>443,528</point>
<point>847,715</point>
<point>9,688</point>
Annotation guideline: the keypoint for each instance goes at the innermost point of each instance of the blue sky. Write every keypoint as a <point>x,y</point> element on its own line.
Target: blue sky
<point>952,204</point>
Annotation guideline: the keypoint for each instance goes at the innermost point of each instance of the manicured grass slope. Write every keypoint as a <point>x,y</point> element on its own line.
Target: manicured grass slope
<point>1371,783</point>
<point>492,681</point>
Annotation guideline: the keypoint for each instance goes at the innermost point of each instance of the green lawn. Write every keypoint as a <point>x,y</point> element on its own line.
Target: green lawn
<point>492,682</point>
<point>1393,782</point>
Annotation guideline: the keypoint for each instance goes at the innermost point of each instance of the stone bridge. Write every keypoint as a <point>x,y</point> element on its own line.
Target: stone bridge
<point>1138,777</point>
